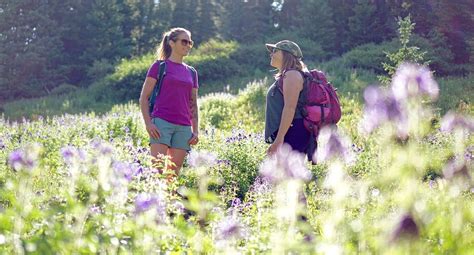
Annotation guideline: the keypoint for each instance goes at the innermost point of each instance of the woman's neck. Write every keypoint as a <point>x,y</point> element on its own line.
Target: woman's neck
<point>176,59</point>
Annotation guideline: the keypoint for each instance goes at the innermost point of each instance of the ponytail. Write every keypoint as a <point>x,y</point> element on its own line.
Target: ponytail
<point>164,49</point>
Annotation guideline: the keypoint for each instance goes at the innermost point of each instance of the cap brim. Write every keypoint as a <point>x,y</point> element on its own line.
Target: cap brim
<point>270,46</point>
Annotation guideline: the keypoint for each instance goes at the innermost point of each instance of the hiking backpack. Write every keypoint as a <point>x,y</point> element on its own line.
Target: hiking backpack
<point>321,105</point>
<point>161,75</point>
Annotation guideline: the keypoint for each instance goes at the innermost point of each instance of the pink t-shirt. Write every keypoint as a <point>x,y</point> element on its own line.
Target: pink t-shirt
<point>173,102</point>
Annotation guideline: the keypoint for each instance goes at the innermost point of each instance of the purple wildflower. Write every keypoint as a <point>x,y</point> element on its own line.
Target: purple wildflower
<point>202,158</point>
<point>126,170</point>
<point>453,121</point>
<point>236,202</point>
<point>468,154</point>
<point>380,107</point>
<point>333,145</point>
<point>405,229</point>
<point>413,80</point>
<point>146,201</point>
<point>19,160</point>
<point>261,185</point>
<point>178,207</point>
<point>95,209</point>
<point>285,164</point>
<point>69,153</point>
<point>229,227</point>
<point>456,168</point>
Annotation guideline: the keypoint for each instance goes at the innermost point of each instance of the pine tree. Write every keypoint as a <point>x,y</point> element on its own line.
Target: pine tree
<point>30,50</point>
<point>317,23</point>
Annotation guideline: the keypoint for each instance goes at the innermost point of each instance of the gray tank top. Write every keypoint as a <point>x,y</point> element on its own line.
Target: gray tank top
<point>274,109</point>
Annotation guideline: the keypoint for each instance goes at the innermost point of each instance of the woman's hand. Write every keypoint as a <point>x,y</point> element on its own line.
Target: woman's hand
<point>194,139</point>
<point>153,131</point>
<point>274,147</point>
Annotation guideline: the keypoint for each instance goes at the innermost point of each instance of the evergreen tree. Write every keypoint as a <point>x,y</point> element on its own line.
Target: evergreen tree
<point>249,20</point>
<point>205,28</point>
<point>184,14</point>
<point>342,10</point>
<point>290,16</point>
<point>317,24</point>
<point>105,35</point>
<point>456,23</point>
<point>30,50</point>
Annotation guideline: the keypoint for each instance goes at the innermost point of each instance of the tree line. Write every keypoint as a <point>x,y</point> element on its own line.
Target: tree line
<point>48,43</point>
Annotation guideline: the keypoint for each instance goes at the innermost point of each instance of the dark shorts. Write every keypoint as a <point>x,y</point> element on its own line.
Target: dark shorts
<point>298,136</point>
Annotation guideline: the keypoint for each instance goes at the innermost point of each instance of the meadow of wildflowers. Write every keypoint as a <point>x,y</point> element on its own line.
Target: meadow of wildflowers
<point>393,178</point>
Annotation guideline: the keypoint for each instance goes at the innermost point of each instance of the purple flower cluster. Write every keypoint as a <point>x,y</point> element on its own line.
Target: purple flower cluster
<point>380,107</point>
<point>410,81</point>
<point>457,168</point>
<point>452,121</point>
<point>407,228</point>
<point>413,80</point>
<point>103,148</point>
<point>333,145</point>
<point>127,170</point>
<point>21,160</point>
<point>145,202</point>
<point>230,227</point>
<point>202,158</point>
<point>71,153</point>
<point>285,164</point>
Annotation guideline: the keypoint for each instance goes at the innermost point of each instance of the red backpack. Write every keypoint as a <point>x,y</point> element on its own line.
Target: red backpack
<point>321,106</point>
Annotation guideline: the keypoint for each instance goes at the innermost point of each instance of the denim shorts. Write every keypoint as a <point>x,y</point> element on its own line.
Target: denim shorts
<point>175,136</point>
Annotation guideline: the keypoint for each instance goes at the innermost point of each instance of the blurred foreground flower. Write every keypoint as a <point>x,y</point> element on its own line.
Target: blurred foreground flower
<point>71,153</point>
<point>202,158</point>
<point>414,80</point>
<point>381,107</point>
<point>405,229</point>
<point>332,145</point>
<point>127,170</point>
<point>452,121</point>
<point>146,201</point>
<point>24,159</point>
<point>285,164</point>
<point>230,227</point>
<point>457,168</point>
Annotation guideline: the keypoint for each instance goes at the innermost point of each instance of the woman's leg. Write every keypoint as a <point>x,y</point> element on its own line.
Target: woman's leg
<point>177,157</point>
<point>158,149</point>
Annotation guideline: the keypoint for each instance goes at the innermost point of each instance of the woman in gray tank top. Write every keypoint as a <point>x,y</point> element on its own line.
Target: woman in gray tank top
<point>283,119</point>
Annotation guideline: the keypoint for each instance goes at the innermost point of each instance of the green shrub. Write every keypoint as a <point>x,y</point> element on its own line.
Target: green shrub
<point>368,56</point>
<point>64,88</point>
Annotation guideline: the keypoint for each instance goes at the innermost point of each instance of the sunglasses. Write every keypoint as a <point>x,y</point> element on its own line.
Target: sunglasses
<point>186,42</point>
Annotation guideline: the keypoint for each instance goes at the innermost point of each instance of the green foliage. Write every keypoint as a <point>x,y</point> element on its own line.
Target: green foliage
<point>368,56</point>
<point>362,207</point>
<point>226,112</point>
<point>456,93</point>
<point>64,89</point>
<point>405,53</point>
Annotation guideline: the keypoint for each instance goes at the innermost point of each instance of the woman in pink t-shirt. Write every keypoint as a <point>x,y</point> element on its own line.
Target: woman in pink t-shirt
<point>173,122</point>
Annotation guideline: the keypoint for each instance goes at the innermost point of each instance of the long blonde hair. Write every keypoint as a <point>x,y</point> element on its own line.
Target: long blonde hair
<point>164,49</point>
<point>290,62</point>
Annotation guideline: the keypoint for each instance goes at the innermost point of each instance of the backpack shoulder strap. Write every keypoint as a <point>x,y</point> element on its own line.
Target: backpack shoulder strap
<point>157,88</point>
<point>161,74</point>
<point>193,73</point>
